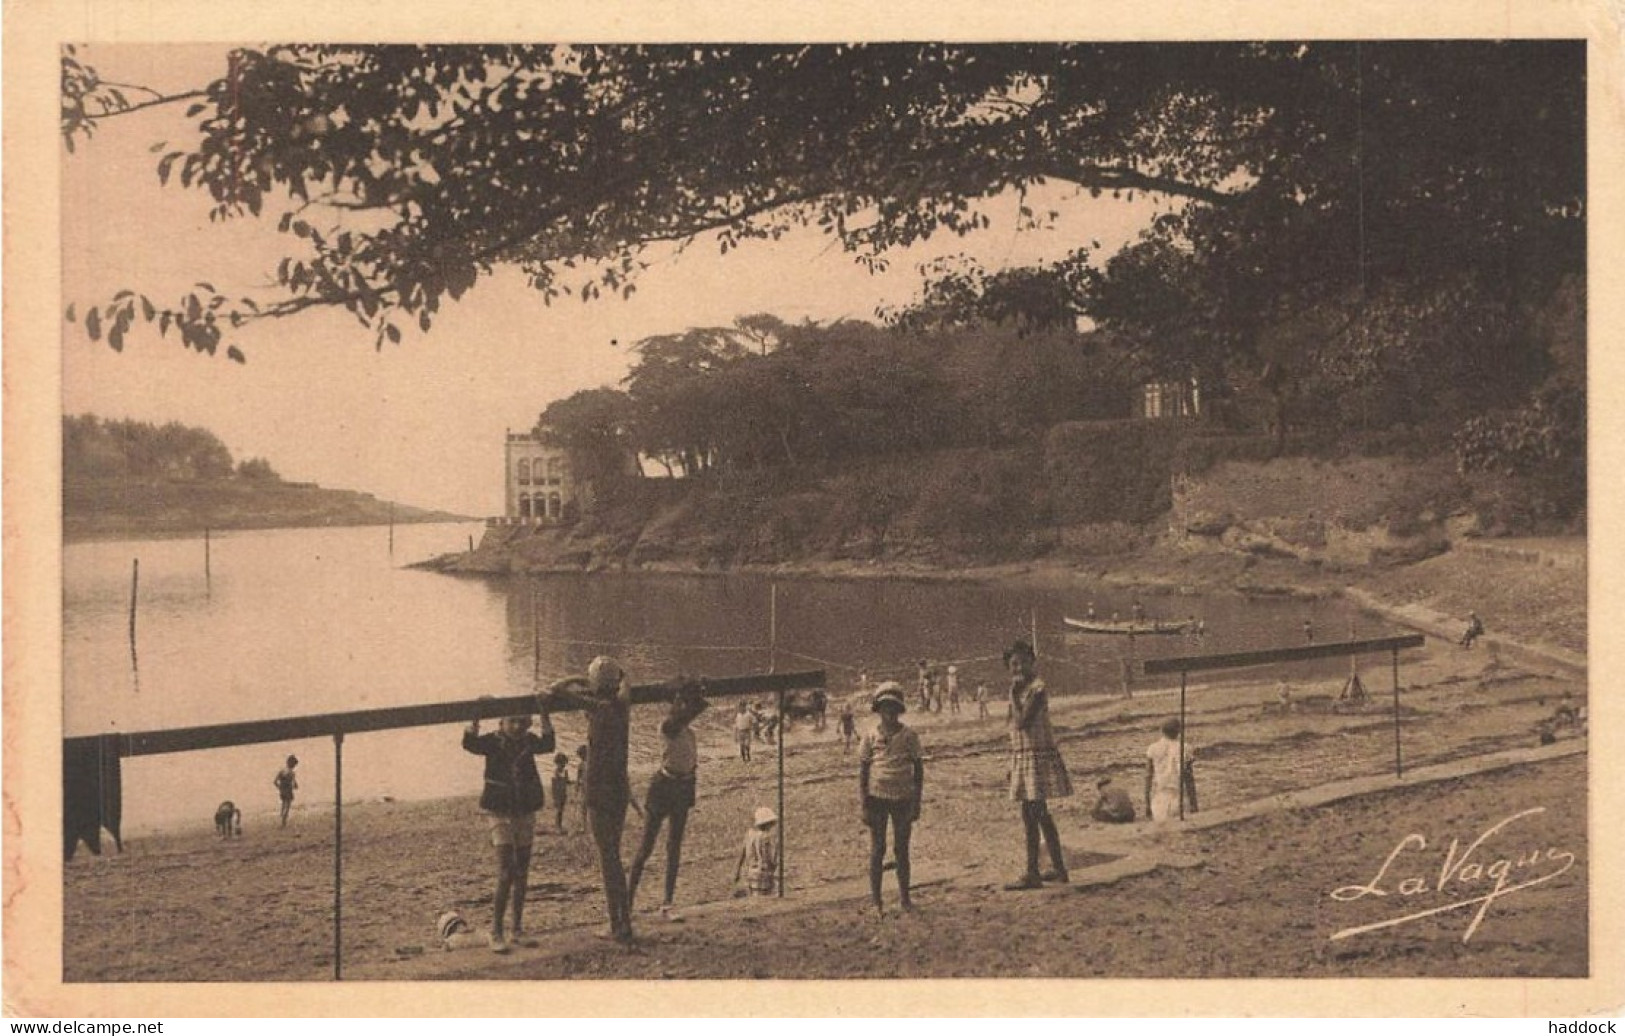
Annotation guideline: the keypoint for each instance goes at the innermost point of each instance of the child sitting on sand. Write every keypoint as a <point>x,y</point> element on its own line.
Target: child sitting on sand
<point>1113,806</point>
<point>759,859</point>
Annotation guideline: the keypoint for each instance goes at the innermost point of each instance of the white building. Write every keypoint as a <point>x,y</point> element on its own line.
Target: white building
<point>537,485</point>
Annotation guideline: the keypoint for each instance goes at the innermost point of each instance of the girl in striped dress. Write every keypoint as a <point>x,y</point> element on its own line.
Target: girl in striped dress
<point>1037,772</point>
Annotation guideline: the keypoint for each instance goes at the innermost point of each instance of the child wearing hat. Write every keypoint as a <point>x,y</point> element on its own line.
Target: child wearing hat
<point>891,775</point>
<point>511,797</point>
<point>759,859</point>
<point>1037,772</point>
<point>605,787</point>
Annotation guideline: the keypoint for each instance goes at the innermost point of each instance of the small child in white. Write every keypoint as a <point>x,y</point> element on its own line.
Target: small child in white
<point>1165,778</point>
<point>759,859</point>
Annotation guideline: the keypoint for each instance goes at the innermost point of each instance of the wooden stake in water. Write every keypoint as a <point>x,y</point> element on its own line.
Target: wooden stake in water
<point>135,584</point>
<point>207,580</point>
<point>391,530</point>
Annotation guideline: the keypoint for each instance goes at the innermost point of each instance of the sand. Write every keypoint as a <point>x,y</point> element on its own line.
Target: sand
<point>1248,898</point>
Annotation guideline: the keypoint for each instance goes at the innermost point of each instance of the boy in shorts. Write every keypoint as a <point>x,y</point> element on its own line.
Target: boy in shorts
<point>510,800</point>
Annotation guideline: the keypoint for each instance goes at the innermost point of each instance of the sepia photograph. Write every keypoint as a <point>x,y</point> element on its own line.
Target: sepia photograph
<point>919,507</point>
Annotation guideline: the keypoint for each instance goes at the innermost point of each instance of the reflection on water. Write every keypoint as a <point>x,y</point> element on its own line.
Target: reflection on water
<point>294,622</point>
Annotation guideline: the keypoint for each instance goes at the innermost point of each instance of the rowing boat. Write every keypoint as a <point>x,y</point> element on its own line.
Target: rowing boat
<point>1131,629</point>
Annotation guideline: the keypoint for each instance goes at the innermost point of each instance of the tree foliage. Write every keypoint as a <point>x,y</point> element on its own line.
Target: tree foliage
<point>93,448</point>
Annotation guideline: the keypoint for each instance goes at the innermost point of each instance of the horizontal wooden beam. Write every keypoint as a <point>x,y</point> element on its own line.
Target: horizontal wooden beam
<point>296,728</point>
<point>1241,659</point>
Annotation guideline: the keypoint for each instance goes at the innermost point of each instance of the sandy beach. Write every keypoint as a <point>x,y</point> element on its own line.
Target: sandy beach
<point>1247,895</point>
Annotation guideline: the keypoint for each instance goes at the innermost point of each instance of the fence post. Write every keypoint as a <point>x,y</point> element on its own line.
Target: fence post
<point>338,856</point>
<point>1399,768</point>
<point>1182,675</point>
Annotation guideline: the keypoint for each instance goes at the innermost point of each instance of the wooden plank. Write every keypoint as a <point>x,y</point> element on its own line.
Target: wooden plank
<point>1241,659</point>
<point>295,728</point>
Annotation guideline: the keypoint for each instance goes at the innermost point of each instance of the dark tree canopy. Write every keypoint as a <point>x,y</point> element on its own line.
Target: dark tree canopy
<point>446,162</point>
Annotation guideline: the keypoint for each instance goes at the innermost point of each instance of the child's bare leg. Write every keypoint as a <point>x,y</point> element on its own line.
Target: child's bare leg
<point>877,854</point>
<point>646,848</point>
<point>902,832</point>
<point>674,853</point>
<point>521,882</point>
<point>607,825</point>
<point>1029,821</point>
<point>1052,838</point>
<point>505,871</point>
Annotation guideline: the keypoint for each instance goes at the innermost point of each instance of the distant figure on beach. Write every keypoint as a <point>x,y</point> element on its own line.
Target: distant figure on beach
<point>560,789</point>
<point>581,772</point>
<point>286,785</point>
<point>1309,631</point>
<point>981,699</point>
<point>1474,630</point>
<point>1112,806</point>
<point>228,820</point>
<point>510,800</point>
<point>922,686</point>
<point>863,683</point>
<point>847,727</point>
<point>952,683</point>
<point>891,776</point>
<point>1037,772</point>
<point>605,786</point>
<point>1165,777</point>
<point>744,731</point>
<point>759,859</point>
<point>671,793</point>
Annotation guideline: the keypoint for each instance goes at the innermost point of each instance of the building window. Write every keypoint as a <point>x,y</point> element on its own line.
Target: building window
<point>555,471</point>
<point>524,505</point>
<point>524,472</point>
<point>555,507</point>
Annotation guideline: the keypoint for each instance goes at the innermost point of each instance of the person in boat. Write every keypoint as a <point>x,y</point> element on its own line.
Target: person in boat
<point>891,775</point>
<point>1112,805</point>
<point>1089,612</point>
<point>671,793</point>
<point>510,800</point>
<point>1474,630</point>
<point>1037,772</point>
<point>1309,631</point>
<point>606,696</point>
<point>1138,612</point>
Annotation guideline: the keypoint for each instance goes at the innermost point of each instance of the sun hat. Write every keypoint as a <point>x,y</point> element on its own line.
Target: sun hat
<point>604,673</point>
<point>889,693</point>
<point>450,923</point>
<point>765,816</point>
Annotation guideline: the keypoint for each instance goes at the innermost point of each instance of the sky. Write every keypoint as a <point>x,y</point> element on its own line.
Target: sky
<point>422,422</point>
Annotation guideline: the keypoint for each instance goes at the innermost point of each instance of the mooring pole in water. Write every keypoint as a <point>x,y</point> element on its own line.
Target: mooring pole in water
<point>338,856</point>
<point>1399,768</point>
<point>135,584</point>
<point>471,543</point>
<point>207,580</point>
<point>1182,675</point>
<point>392,529</point>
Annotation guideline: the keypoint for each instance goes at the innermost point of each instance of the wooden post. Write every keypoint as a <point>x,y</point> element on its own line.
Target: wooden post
<point>338,856</point>
<point>772,662</point>
<point>135,584</point>
<point>207,580</point>
<point>1182,675</point>
<point>1399,768</point>
<point>471,543</point>
<point>535,642</point>
<point>1032,624</point>
<point>392,529</point>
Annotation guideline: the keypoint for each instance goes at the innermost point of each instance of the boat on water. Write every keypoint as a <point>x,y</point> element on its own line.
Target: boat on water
<point>1131,629</point>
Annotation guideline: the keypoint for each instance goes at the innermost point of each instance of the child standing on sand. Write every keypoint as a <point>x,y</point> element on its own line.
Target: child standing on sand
<point>1166,775</point>
<point>744,730</point>
<point>891,775</point>
<point>671,793</point>
<point>605,788</point>
<point>510,800</point>
<point>1037,772</point>
<point>286,785</point>
<point>759,859</point>
<point>560,789</point>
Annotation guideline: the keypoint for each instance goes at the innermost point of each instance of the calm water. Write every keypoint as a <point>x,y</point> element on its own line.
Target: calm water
<point>294,622</point>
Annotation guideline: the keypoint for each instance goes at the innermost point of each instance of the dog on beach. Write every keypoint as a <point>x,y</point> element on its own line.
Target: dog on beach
<point>228,820</point>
